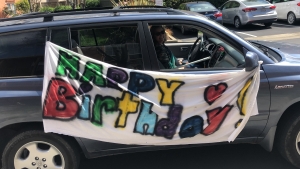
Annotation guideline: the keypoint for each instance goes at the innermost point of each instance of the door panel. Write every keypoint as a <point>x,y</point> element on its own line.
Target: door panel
<point>226,11</point>
<point>280,9</point>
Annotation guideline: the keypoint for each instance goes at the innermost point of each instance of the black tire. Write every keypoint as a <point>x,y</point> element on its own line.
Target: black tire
<point>288,131</point>
<point>38,140</point>
<point>237,23</point>
<point>268,24</point>
<point>291,18</point>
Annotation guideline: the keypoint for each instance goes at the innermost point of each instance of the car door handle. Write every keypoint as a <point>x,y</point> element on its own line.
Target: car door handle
<point>183,49</point>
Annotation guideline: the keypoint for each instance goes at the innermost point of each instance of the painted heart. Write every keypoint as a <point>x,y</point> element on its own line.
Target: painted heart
<point>213,92</point>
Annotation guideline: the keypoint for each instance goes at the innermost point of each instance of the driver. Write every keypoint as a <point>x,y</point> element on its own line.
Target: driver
<point>164,54</point>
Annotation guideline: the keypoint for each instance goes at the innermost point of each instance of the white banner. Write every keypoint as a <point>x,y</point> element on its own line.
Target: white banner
<point>88,98</point>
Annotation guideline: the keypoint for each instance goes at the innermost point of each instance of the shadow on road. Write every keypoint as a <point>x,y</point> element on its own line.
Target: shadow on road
<point>241,156</point>
<point>252,27</point>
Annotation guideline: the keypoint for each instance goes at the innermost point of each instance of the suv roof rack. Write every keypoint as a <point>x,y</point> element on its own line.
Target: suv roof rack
<point>48,16</point>
<point>141,6</point>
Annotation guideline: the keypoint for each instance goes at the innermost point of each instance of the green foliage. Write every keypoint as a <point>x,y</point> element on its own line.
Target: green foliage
<point>23,6</point>
<point>47,9</point>
<point>175,3</point>
<point>7,12</point>
<point>92,3</point>
<point>63,8</point>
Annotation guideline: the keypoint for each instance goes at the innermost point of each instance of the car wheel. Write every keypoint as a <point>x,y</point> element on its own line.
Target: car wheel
<point>291,18</point>
<point>237,23</point>
<point>268,24</point>
<point>288,138</point>
<point>36,149</point>
<point>183,31</point>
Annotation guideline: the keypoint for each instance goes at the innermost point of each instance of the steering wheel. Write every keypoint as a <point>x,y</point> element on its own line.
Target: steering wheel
<point>195,48</point>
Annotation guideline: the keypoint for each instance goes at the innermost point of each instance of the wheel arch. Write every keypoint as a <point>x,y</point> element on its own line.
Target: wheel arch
<point>289,13</point>
<point>237,16</point>
<point>13,129</point>
<point>270,136</point>
<point>288,111</point>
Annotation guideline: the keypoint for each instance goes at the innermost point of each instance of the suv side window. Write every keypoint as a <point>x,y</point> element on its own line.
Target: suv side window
<point>22,54</point>
<point>209,51</point>
<point>117,45</point>
<point>60,37</point>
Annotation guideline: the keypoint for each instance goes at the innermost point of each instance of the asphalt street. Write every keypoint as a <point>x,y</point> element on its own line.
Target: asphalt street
<point>239,156</point>
<point>279,32</point>
<point>228,156</point>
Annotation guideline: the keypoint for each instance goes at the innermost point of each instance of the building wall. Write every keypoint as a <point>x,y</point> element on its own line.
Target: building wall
<point>3,4</point>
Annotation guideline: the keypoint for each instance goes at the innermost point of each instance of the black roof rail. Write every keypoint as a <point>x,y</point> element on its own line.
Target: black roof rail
<point>142,6</point>
<point>49,16</point>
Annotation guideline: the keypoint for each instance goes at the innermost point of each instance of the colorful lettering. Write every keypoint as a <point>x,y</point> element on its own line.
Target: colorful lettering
<point>215,118</point>
<point>93,72</point>
<point>167,90</point>
<point>67,64</point>
<point>191,127</point>
<point>241,101</point>
<point>146,120</point>
<point>166,127</point>
<point>59,102</point>
<point>85,108</point>
<point>140,82</point>
<point>127,104</point>
<point>213,92</point>
<point>109,104</point>
<point>115,76</point>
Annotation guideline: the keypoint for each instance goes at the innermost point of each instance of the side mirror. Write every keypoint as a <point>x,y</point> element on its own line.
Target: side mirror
<point>251,61</point>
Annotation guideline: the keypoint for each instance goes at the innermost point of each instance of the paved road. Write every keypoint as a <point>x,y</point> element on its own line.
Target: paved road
<point>278,32</point>
<point>242,156</point>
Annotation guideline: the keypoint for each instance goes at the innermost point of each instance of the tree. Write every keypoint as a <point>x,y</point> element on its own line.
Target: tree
<point>23,6</point>
<point>92,3</point>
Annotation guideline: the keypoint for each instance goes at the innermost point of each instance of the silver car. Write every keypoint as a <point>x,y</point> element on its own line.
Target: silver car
<point>242,12</point>
<point>288,10</point>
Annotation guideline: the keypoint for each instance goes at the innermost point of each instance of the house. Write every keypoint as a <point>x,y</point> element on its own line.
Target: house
<point>7,3</point>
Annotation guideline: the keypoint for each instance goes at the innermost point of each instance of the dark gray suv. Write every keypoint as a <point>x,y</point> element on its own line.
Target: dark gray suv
<point>22,45</point>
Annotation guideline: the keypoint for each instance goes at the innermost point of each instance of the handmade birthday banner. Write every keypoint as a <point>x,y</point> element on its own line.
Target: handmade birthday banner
<point>88,98</point>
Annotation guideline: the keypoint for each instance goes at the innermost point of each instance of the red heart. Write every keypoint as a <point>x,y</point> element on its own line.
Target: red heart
<point>213,92</point>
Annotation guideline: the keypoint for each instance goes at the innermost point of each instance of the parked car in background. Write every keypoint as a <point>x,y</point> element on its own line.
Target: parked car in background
<point>288,10</point>
<point>243,12</point>
<point>204,8</point>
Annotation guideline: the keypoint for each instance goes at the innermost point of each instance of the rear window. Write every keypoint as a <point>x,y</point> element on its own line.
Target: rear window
<point>255,2</point>
<point>22,54</point>
<point>201,7</point>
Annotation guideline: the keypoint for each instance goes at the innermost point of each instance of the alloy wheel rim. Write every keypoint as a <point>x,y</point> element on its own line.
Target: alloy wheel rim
<point>298,143</point>
<point>40,155</point>
<point>291,18</point>
<point>237,23</point>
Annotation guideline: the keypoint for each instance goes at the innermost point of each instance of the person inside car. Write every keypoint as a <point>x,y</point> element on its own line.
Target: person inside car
<point>164,54</point>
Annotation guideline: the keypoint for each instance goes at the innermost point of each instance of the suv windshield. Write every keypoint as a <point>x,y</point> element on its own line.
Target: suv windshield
<point>201,7</point>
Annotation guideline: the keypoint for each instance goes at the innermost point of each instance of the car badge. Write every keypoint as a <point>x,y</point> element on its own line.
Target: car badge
<point>284,86</point>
